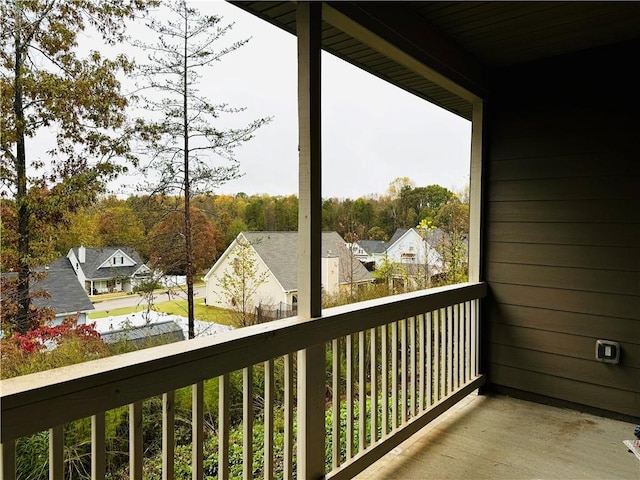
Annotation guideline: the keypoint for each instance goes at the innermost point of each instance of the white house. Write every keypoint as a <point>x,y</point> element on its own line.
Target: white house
<point>108,269</point>
<point>275,265</point>
<point>419,258</point>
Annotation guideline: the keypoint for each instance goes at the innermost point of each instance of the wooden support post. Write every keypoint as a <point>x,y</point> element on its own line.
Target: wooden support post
<point>56,452</point>
<point>98,446</point>
<point>168,435</point>
<point>8,460</point>
<point>197,429</point>
<point>311,374</point>
<point>136,450</point>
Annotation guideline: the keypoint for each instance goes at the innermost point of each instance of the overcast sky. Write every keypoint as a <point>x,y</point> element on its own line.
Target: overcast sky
<point>372,132</point>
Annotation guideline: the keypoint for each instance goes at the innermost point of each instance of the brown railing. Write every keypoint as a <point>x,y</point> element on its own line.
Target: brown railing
<point>393,364</point>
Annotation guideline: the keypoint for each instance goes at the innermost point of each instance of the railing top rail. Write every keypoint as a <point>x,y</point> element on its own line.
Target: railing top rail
<point>81,390</point>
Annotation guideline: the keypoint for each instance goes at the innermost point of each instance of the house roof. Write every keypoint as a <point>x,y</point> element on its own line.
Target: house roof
<point>278,251</point>
<point>433,236</point>
<point>373,246</point>
<point>463,41</point>
<point>66,295</point>
<point>167,332</point>
<point>94,257</point>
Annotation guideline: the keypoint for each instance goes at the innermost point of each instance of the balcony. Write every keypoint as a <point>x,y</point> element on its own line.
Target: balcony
<point>500,437</point>
<point>402,360</point>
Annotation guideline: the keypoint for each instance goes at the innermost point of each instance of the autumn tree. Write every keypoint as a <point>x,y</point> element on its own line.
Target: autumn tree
<point>46,84</point>
<point>193,153</point>
<point>168,240</point>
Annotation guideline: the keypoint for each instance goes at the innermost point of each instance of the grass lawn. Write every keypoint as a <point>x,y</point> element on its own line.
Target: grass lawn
<point>202,312</point>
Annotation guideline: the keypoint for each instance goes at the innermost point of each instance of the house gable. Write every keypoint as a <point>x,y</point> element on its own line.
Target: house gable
<point>117,259</point>
<point>270,290</point>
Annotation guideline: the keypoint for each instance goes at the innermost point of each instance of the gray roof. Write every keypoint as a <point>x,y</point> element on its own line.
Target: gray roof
<point>94,257</point>
<point>433,236</point>
<point>373,246</point>
<point>66,295</point>
<point>278,251</point>
<point>168,331</point>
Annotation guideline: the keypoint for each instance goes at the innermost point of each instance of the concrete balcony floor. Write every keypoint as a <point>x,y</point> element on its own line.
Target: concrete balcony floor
<point>497,437</point>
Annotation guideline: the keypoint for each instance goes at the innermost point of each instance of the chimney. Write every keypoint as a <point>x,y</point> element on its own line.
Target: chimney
<point>81,254</point>
<point>330,274</point>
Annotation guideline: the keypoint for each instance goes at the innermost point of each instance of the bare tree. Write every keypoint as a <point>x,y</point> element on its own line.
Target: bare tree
<point>191,154</point>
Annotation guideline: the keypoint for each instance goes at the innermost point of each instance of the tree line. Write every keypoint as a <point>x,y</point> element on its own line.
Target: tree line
<point>154,225</point>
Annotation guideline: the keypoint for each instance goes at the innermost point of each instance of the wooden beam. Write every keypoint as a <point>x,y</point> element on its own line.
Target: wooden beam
<point>393,32</point>
<point>311,374</point>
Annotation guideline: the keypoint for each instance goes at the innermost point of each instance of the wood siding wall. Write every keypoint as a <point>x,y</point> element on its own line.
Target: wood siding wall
<point>562,238</point>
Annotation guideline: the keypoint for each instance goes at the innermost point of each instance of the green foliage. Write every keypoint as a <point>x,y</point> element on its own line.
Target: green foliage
<point>46,84</point>
<point>240,281</point>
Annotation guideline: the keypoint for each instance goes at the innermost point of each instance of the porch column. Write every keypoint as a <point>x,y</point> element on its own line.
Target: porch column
<point>311,374</point>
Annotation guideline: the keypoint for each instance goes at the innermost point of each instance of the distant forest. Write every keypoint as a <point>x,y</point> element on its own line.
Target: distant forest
<point>153,224</point>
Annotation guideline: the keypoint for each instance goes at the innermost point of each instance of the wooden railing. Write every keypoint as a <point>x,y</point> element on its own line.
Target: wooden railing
<point>393,364</point>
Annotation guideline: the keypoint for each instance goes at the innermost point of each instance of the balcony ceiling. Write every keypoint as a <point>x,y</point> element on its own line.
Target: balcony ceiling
<point>474,37</point>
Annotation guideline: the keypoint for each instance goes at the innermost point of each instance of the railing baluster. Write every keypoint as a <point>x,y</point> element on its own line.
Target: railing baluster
<point>443,352</point>
<point>422,360</point>
<point>374,387</point>
<point>168,435</point>
<point>8,460</point>
<point>474,338</point>
<point>224,425</point>
<point>288,416</point>
<point>135,441</point>
<point>384,387</point>
<point>430,362</point>
<point>247,423</point>
<point>268,419</point>
<point>456,348</point>
<point>403,381</point>
<point>394,375</point>
<point>467,315</point>
<point>349,398</point>
<point>197,429</point>
<point>56,452</point>
<point>335,404</point>
<point>412,365</point>
<point>98,446</point>
<point>362,393</point>
<point>449,351</point>
<point>461,325</point>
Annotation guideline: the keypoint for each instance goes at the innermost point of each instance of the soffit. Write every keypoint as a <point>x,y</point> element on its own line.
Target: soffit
<point>478,35</point>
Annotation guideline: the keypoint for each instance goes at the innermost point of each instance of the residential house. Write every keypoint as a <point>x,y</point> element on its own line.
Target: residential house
<point>369,252</point>
<point>276,267</point>
<point>63,294</point>
<point>549,91</point>
<point>108,269</point>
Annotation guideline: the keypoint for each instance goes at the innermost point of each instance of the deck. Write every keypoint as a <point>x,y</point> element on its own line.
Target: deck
<point>499,437</point>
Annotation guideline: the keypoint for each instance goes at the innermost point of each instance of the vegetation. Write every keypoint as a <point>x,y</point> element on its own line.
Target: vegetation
<point>188,145</point>
<point>47,85</point>
<point>239,284</point>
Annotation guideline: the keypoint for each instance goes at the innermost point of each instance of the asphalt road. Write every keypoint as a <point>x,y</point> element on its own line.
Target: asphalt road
<point>135,300</point>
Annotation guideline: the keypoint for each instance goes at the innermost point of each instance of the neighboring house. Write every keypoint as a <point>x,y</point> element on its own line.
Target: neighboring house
<point>108,269</point>
<point>369,252</point>
<point>66,297</point>
<point>408,246</point>
<point>275,253</point>
<point>419,259</point>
